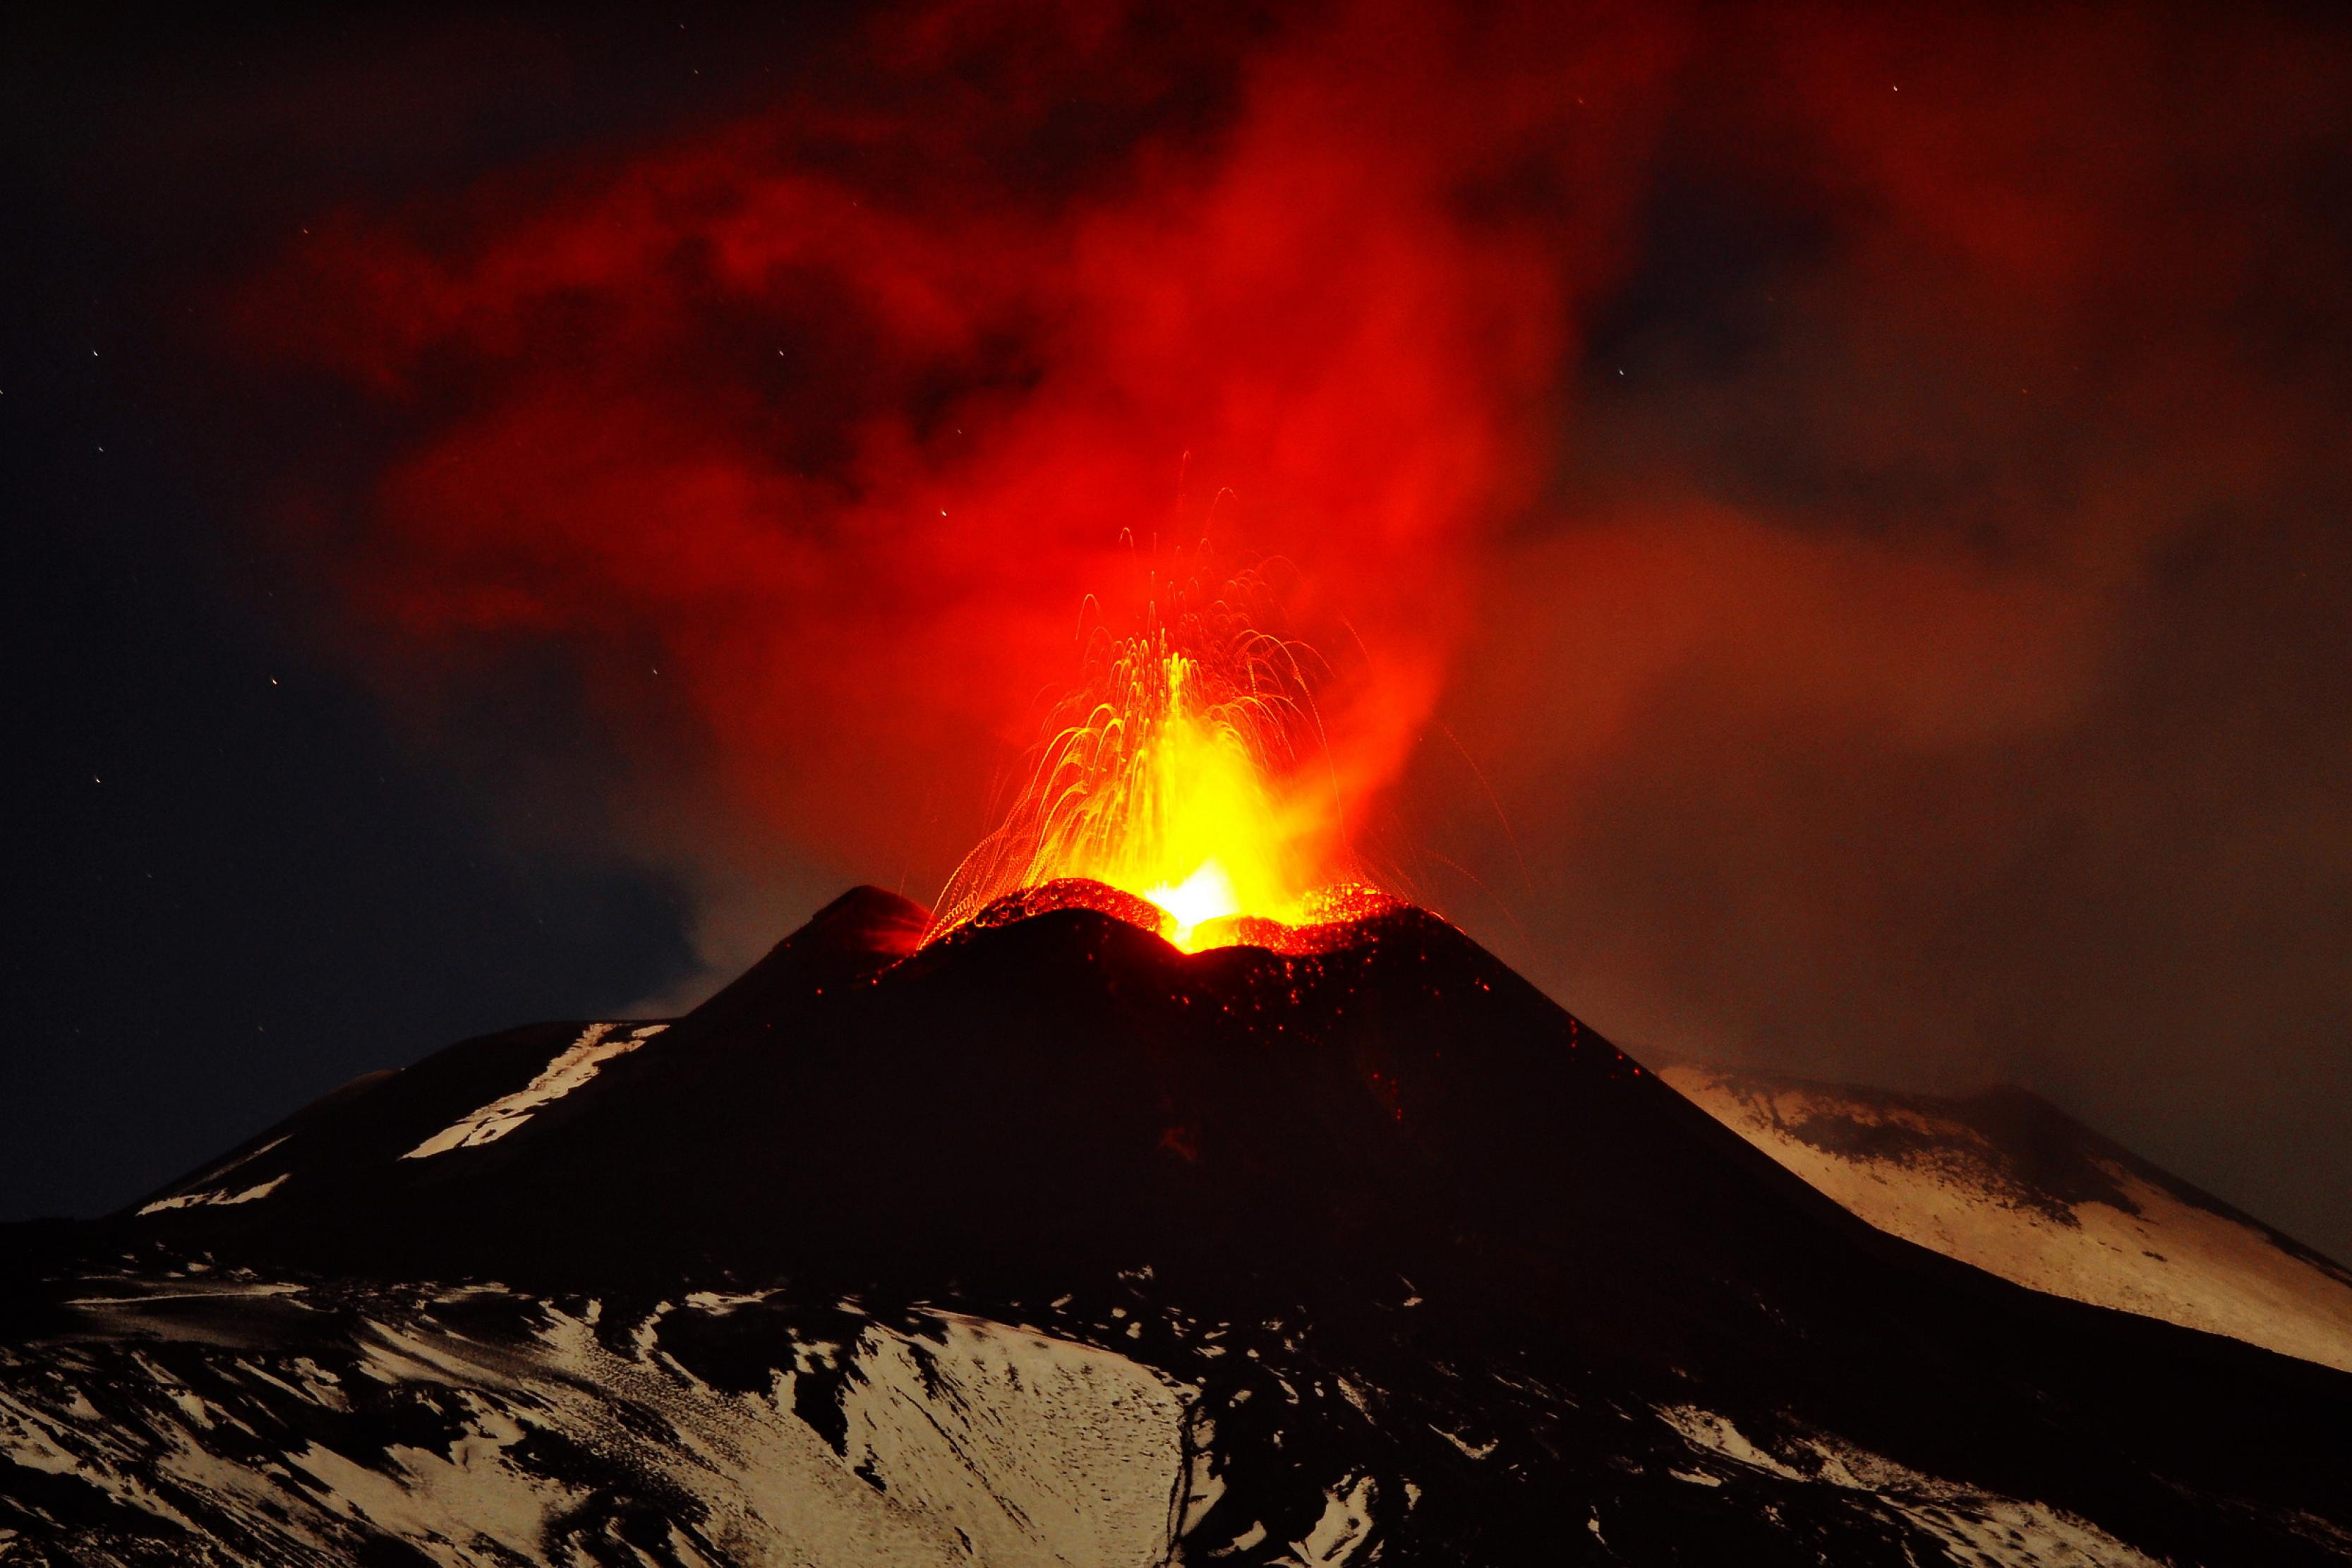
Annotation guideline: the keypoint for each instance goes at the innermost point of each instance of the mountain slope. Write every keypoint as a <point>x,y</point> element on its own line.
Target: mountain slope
<point>1396,1258</point>
<point>2010,1184</point>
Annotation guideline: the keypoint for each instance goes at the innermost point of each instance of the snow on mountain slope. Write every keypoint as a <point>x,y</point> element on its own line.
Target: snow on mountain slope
<point>481,1428</point>
<point>575,1065</point>
<point>1971,1525</point>
<point>201,1190</point>
<point>189,1200</point>
<point>210,1418</point>
<point>2008,1183</point>
<point>469,1096</point>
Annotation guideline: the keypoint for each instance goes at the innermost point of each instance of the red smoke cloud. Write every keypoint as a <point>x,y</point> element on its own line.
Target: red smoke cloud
<point>837,416</point>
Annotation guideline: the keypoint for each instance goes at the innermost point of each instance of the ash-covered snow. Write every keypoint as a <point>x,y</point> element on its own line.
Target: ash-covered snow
<point>199,1191</point>
<point>579,1062</point>
<point>191,1415</point>
<point>1973,1526</point>
<point>484,1428</point>
<point>1343,1527</point>
<point>1928,1172</point>
<point>200,1197</point>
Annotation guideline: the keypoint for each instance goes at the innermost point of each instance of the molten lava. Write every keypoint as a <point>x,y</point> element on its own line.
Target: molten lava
<point>1174,774</point>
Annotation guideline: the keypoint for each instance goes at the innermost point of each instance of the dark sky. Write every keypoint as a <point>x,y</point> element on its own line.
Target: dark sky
<point>1838,513</point>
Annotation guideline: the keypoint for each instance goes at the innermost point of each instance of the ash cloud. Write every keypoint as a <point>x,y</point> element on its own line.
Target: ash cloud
<point>1932,668</point>
<point>1841,513</point>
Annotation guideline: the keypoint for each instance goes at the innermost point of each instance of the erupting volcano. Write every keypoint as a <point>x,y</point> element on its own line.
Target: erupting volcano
<point>1172,1196</point>
<point>1822,521</point>
<point>1013,1235</point>
<point>1187,771</point>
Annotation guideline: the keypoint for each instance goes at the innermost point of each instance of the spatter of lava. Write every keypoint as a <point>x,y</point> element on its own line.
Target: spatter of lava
<point>1320,923</point>
<point>1176,789</point>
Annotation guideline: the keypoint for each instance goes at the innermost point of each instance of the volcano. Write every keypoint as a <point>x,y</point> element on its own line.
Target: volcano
<point>1045,1243</point>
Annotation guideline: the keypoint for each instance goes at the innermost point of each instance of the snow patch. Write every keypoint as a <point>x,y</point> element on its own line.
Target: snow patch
<point>196,1199</point>
<point>1979,1527</point>
<point>575,1065</point>
<point>1344,1525</point>
<point>1469,1451</point>
<point>1035,1449</point>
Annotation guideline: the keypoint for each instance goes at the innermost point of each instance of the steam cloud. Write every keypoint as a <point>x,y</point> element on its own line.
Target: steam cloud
<point>1835,524</point>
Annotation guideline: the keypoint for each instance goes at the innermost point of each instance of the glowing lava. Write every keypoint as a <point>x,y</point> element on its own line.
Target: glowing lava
<point>1204,896</point>
<point>1173,774</point>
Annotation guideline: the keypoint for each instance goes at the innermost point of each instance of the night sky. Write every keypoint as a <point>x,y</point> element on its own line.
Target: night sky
<point>1829,522</point>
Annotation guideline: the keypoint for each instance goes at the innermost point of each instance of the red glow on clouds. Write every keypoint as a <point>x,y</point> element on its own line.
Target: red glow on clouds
<point>836,419</point>
<point>836,414</point>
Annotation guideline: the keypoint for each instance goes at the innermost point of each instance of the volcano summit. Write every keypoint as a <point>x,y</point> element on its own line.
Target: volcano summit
<point>1048,1244</point>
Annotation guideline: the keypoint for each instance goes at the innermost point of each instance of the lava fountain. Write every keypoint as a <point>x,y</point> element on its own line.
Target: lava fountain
<point>1187,771</point>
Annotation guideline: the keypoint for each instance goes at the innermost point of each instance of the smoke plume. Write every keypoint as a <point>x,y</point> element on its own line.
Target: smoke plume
<point>1828,524</point>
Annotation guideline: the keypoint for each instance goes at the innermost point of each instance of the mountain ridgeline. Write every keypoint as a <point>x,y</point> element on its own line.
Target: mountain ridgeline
<point>884,1252</point>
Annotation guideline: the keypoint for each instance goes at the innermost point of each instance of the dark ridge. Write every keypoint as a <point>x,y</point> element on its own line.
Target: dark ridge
<point>1334,916</point>
<point>1066,893</point>
<point>308,1115</point>
<point>864,929</point>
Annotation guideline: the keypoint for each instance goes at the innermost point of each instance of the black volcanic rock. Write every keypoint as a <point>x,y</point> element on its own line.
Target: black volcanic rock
<point>1411,1263</point>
